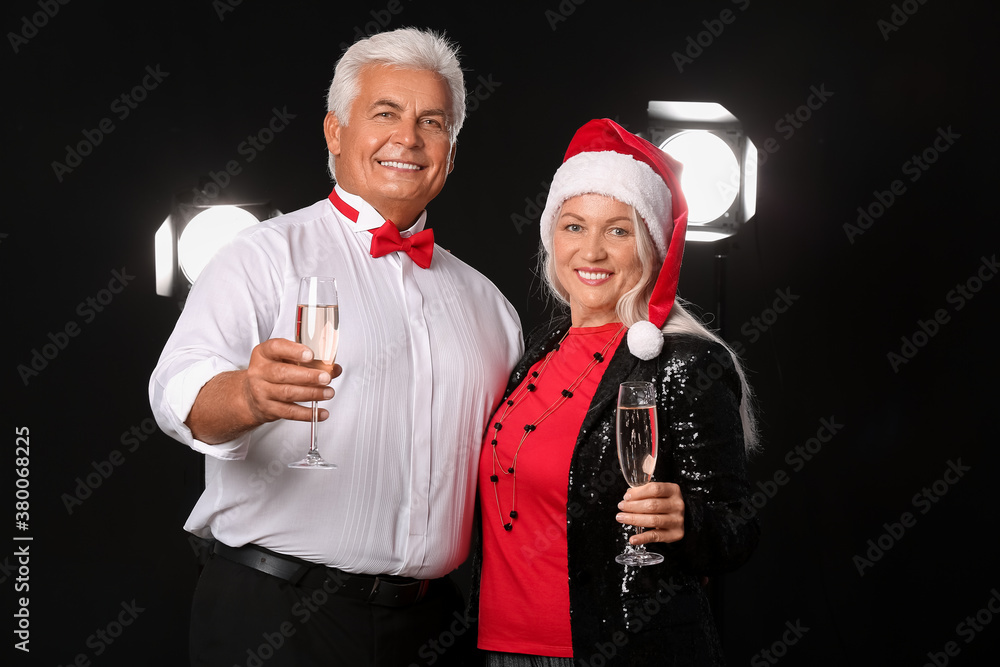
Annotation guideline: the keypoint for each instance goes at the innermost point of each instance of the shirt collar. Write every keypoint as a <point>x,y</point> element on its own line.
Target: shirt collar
<point>369,218</point>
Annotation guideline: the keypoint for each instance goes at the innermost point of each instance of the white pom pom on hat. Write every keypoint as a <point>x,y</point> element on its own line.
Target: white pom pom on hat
<point>645,340</point>
<point>604,158</point>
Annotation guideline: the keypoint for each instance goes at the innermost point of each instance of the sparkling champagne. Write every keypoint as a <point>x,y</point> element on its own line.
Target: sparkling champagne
<point>637,443</point>
<point>318,328</point>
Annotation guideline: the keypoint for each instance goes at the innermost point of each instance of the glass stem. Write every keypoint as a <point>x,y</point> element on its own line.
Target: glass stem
<point>312,428</point>
<point>638,548</point>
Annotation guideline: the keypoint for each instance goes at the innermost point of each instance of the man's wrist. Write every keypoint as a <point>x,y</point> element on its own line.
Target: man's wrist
<point>222,411</point>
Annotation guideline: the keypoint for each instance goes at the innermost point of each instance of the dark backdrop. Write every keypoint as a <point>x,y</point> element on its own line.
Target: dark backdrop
<point>876,479</point>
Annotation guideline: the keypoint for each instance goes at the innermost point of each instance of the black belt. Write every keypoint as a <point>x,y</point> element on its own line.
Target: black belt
<point>384,590</point>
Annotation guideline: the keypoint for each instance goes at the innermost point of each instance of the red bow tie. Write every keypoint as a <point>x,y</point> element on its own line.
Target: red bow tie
<point>386,239</point>
<point>420,246</point>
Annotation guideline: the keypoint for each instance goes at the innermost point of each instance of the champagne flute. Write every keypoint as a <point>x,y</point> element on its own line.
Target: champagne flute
<point>637,446</point>
<point>317,325</point>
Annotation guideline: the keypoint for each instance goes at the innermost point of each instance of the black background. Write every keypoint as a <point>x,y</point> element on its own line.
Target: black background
<point>551,67</point>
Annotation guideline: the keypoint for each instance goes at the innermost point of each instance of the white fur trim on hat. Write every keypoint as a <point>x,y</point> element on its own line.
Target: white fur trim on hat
<point>645,340</point>
<point>614,175</point>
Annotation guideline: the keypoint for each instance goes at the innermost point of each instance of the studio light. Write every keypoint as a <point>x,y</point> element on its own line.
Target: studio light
<point>720,164</point>
<point>192,234</point>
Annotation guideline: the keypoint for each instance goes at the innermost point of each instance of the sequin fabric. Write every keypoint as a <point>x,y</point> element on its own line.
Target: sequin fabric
<point>657,615</point>
<point>495,659</point>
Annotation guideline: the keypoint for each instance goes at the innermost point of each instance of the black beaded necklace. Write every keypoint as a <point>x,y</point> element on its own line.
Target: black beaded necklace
<point>518,396</point>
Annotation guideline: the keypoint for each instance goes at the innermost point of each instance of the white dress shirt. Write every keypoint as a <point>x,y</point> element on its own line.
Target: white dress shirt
<point>426,355</point>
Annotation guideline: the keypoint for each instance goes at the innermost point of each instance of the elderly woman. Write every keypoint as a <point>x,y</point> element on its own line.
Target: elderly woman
<point>556,509</point>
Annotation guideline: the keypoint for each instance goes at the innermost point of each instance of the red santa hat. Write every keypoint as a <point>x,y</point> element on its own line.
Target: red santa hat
<point>603,158</point>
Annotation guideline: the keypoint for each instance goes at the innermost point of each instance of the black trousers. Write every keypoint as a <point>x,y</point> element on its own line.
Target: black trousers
<point>244,618</point>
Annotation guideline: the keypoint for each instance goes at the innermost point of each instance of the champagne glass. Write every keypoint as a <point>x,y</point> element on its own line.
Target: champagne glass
<point>637,445</point>
<point>317,325</point>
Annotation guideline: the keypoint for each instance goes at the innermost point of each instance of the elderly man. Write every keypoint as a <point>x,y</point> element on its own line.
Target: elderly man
<point>343,567</point>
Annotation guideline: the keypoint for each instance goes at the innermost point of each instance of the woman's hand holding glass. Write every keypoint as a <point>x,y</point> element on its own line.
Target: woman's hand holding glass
<point>658,507</point>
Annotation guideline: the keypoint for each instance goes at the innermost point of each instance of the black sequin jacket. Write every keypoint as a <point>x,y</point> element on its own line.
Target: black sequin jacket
<point>660,614</point>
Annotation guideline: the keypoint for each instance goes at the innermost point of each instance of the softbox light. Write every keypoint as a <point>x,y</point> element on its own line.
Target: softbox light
<point>192,233</point>
<point>720,164</point>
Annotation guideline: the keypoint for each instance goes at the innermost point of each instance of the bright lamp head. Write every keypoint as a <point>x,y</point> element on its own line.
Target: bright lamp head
<point>205,233</point>
<point>720,164</point>
<point>710,169</point>
<point>192,234</point>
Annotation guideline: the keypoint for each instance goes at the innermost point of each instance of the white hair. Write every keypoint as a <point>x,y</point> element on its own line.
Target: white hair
<point>406,48</point>
<point>633,306</point>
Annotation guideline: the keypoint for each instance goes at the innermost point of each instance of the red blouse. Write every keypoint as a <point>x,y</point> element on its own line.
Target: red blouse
<point>524,590</point>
